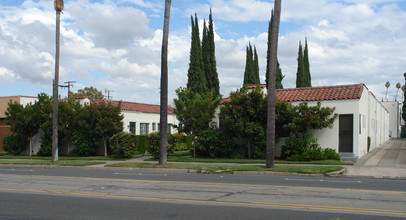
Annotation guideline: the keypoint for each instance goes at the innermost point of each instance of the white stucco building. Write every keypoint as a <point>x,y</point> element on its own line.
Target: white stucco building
<point>360,115</point>
<point>140,118</point>
<point>395,120</point>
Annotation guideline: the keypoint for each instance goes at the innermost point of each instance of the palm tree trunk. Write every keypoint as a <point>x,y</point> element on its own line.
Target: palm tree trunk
<point>163,135</point>
<point>55,93</point>
<point>270,140</point>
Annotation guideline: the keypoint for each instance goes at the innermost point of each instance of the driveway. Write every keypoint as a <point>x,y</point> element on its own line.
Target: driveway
<point>386,161</point>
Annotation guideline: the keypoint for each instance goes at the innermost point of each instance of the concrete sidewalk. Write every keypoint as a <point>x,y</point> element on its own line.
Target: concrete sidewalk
<point>386,161</point>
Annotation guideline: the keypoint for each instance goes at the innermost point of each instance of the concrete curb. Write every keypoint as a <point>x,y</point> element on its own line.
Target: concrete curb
<point>337,173</point>
<point>162,170</point>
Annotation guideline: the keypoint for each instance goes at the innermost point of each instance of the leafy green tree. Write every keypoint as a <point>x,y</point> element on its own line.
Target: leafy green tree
<point>196,78</point>
<point>245,116</point>
<point>90,92</point>
<point>308,118</point>
<point>106,121</point>
<point>68,120</point>
<point>306,66</point>
<point>27,120</point>
<point>279,75</point>
<point>194,111</point>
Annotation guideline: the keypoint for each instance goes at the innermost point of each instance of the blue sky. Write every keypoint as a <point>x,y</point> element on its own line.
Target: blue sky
<point>115,44</point>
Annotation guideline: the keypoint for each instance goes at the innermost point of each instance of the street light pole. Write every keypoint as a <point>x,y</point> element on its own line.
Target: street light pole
<point>58,5</point>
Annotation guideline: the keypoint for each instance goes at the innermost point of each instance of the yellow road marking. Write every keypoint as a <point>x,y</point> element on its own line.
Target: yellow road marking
<point>238,184</point>
<point>260,204</point>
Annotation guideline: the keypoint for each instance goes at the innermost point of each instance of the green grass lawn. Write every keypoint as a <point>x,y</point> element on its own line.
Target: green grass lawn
<point>173,158</point>
<point>49,162</point>
<point>232,168</point>
<point>66,157</point>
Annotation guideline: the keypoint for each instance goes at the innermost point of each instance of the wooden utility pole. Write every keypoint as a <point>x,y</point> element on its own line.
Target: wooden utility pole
<point>108,93</point>
<point>68,86</point>
<point>58,5</point>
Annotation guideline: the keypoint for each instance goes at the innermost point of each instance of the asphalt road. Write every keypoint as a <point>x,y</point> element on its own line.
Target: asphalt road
<point>133,194</point>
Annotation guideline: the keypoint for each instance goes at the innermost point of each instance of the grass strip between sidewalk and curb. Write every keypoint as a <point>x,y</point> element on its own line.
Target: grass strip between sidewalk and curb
<point>48,162</point>
<point>244,161</point>
<point>68,158</point>
<point>204,168</point>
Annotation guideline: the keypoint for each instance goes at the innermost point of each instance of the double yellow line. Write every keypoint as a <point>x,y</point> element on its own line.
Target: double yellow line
<point>257,204</point>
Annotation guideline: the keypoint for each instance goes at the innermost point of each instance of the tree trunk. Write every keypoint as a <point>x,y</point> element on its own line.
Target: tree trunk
<point>249,148</point>
<point>30,138</point>
<point>270,141</point>
<point>163,135</point>
<point>55,93</point>
<point>105,146</point>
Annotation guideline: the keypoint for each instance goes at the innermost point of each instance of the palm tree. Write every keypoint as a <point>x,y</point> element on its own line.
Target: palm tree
<point>387,84</point>
<point>398,87</point>
<point>163,135</point>
<point>270,139</point>
<point>58,5</point>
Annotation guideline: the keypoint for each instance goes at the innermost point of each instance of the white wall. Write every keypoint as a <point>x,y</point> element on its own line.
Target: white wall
<point>149,118</point>
<point>394,110</point>
<point>329,137</point>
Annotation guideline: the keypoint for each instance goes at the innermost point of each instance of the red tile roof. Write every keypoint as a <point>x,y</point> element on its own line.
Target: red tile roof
<point>137,107</point>
<point>324,93</point>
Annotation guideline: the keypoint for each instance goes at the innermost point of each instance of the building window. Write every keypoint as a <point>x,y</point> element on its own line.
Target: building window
<point>159,126</point>
<point>132,127</point>
<point>153,126</point>
<point>169,128</point>
<point>144,128</point>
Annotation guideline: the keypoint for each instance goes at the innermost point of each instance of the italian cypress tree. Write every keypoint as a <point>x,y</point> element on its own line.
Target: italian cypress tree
<point>256,67</point>
<point>306,66</point>
<point>279,75</point>
<point>196,78</point>
<point>248,66</point>
<point>206,59</point>
<point>213,79</point>
<point>251,73</point>
<point>300,77</point>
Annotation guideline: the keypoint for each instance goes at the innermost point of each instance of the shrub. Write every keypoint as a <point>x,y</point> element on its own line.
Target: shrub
<point>306,148</point>
<point>214,143</point>
<point>180,146</point>
<point>298,144</point>
<point>141,143</point>
<point>45,150</point>
<point>14,144</point>
<point>123,145</point>
<point>152,144</point>
<point>84,145</point>
<point>189,141</point>
<point>331,154</point>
